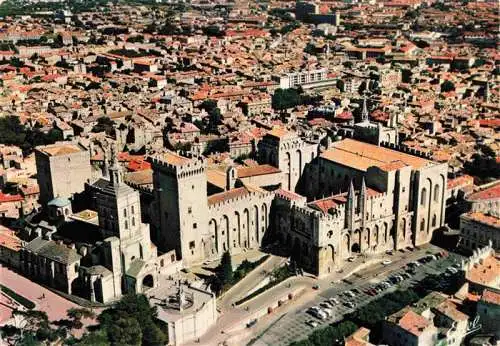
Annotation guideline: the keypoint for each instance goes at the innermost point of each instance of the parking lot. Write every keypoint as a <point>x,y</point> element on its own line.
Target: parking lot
<point>296,325</point>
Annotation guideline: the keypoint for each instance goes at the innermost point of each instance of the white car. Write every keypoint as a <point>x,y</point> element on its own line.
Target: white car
<point>329,312</point>
<point>386,262</point>
<point>350,294</point>
<point>312,323</point>
<point>322,315</point>
<point>351,259</point>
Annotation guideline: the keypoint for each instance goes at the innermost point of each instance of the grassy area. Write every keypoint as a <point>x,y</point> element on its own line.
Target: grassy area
<point>278,275</point>
<point>18,298</point>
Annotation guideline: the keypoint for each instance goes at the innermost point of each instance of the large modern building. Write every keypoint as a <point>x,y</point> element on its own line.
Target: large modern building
<point>357,198</point>
<point>295,79</point>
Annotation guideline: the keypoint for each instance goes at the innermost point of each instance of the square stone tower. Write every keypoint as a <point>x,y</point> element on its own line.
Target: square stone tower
<point>62,170</point>
<point>180,185</point>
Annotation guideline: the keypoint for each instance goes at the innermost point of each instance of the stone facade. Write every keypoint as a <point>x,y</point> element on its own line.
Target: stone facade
<point>288,152</point>
<point>395,199</point>
<point>113,257</point>
<point>482,223</point>
<point>62,170</point>
<point>199,227</point>
<point>477,229</point>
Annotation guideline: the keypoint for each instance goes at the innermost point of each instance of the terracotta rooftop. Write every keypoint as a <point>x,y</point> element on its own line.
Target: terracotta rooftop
<point>288,194</point>
<point>144,177</point>
<point>174,159</point>
<point>227,195</point>
<point>413,323</point>
<point>244,172</point>
<point>450,310</point>
<point>488,193</point>
<point>358,338</point>
<point>483,218</point>
<point>216,177</point>
<point>361,156</point>
<point>327,203</point>
<point>60,149</point>
<point>280,133</point>
<point>485,273</point>
<point>491,297</point>
<point>9,240</point>
<point>10,198</point>
<point>463,180</point>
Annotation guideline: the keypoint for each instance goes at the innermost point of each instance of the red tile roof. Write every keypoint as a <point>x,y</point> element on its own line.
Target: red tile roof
<point>227,195</point>
<point>488,193</point>
<point>491,297</point>
<point>138,165</point>
<point>10,198</point>
<point>244,172</point>
<point>288,194</point>
<point>413,323</point>
<point>8,239</point>
<point>485,273</point>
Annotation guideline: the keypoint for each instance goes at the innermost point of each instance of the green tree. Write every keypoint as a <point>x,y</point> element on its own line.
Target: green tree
<point>130,312</point>
<point>75,316</point>
<point>285,98</point>
<point>208,105</point>
<point>125,331</point>
<point>97,338</point>
<point>226,268</point>
<point>447,86</point>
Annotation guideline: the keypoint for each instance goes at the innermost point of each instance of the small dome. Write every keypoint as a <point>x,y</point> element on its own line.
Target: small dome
<point>59,202</point>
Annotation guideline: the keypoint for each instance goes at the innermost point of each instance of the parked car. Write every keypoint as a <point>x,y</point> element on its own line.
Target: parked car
<point>326,304</point>
<point>251,323</point>
<point>316,287</point>
<point>386,262</point>
<point>333,301</point>
<point>349,294</point>
<point>350,305</point>
<point>329,312</point>
<point>312,323</point>
<point>351,259</point>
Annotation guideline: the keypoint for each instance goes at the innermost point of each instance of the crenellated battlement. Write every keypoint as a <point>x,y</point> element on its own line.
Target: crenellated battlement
<point>178,165</point>
<point>251,196</point>
<point>305,210</point>
<point>407,150</point>
<point>338,212</point>
<point>139,187</point>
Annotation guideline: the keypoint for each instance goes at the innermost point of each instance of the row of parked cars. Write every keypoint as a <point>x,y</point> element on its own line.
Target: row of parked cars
<point>323,311</point>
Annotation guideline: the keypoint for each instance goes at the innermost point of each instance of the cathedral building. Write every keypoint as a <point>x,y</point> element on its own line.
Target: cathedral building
<point>99,260</point>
